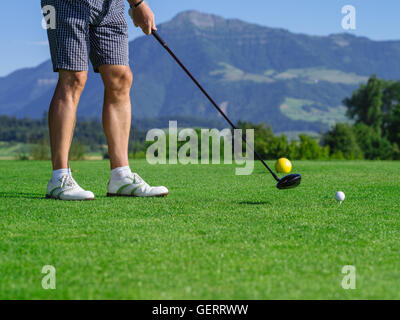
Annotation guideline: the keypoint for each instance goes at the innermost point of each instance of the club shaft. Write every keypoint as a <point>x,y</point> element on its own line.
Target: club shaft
<point>164,44</point>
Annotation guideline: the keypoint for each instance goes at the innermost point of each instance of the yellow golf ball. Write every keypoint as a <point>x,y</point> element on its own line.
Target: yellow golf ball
<point>283,165</point>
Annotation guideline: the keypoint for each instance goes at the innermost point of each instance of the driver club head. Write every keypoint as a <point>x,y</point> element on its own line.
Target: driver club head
<point>289,182</point>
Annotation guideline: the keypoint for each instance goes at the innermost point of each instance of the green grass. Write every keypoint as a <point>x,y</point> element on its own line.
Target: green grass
<point>217,236</point>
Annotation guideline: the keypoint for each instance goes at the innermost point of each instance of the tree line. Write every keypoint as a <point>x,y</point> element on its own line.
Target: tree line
<point>89,137</point>
<point>374,132</point>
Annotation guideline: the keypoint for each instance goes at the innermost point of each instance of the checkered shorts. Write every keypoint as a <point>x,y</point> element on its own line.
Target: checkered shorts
<point>95,29</point>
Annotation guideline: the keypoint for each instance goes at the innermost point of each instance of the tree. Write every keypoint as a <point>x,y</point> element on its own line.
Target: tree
<point>375,107</point>
<point>374,146</point>
<point>391,100</point>
<point>342,142</point>
<point>263,137</point>
<point>309,149</point>
<point>365,105</point>
<point>266,143</point>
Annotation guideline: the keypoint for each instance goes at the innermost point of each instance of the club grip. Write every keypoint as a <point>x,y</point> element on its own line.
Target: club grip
<point>158,37</point>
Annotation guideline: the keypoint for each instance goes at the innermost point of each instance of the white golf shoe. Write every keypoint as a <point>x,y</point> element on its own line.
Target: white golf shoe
<point>133,185</point>
<point>66,188</point>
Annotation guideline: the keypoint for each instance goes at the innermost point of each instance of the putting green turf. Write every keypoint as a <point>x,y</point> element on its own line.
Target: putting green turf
<point>217,236</point>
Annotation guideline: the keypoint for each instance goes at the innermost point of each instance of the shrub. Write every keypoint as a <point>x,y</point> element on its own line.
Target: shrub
<point>41,151</point>
<point>77,151</point>
<point>342,141</point>
<point>375,146</point>
<point>309,149</point>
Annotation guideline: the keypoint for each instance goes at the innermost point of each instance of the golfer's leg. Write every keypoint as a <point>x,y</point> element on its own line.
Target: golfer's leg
<point>117,112</point>
<point>62,115</point>
<point>69,42</point>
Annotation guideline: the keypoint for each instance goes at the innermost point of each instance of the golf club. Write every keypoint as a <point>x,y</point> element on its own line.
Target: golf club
<point>287,182</point>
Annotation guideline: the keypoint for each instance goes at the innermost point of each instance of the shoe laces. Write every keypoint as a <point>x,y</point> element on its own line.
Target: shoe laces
<point>67,181</point>
<point>137,179</point>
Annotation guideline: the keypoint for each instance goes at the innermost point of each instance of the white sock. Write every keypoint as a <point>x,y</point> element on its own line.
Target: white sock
<point>121,172</point>
<point>57,174</point>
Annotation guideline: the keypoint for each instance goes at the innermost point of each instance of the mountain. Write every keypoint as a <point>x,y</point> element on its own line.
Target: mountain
<point>294,82</point>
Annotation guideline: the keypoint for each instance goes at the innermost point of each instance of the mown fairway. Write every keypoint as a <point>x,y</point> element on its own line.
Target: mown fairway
<point>217,236</point>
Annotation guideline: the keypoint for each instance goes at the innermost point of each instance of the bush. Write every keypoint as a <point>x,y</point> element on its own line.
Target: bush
<point>137,150</point>
<point>22,155</point>
<point>396,151</point>
<point>342,141</point>
<point>196,152</point>
<point>309,149</point>
<point>77,151</point>
<point>41,151</point>
<point>266,143</point>
<point>338,155</point>
<point>375,146</point>
<point>139,155</point>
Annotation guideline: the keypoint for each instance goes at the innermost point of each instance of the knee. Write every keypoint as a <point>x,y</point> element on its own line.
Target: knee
<point>73,81</point>
<point>119,81</point>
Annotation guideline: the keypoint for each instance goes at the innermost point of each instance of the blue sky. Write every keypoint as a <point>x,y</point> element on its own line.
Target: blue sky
<point>24,42</point>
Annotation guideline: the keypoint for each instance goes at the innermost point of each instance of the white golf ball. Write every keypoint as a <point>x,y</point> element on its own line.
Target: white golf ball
<point>340,196</point>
